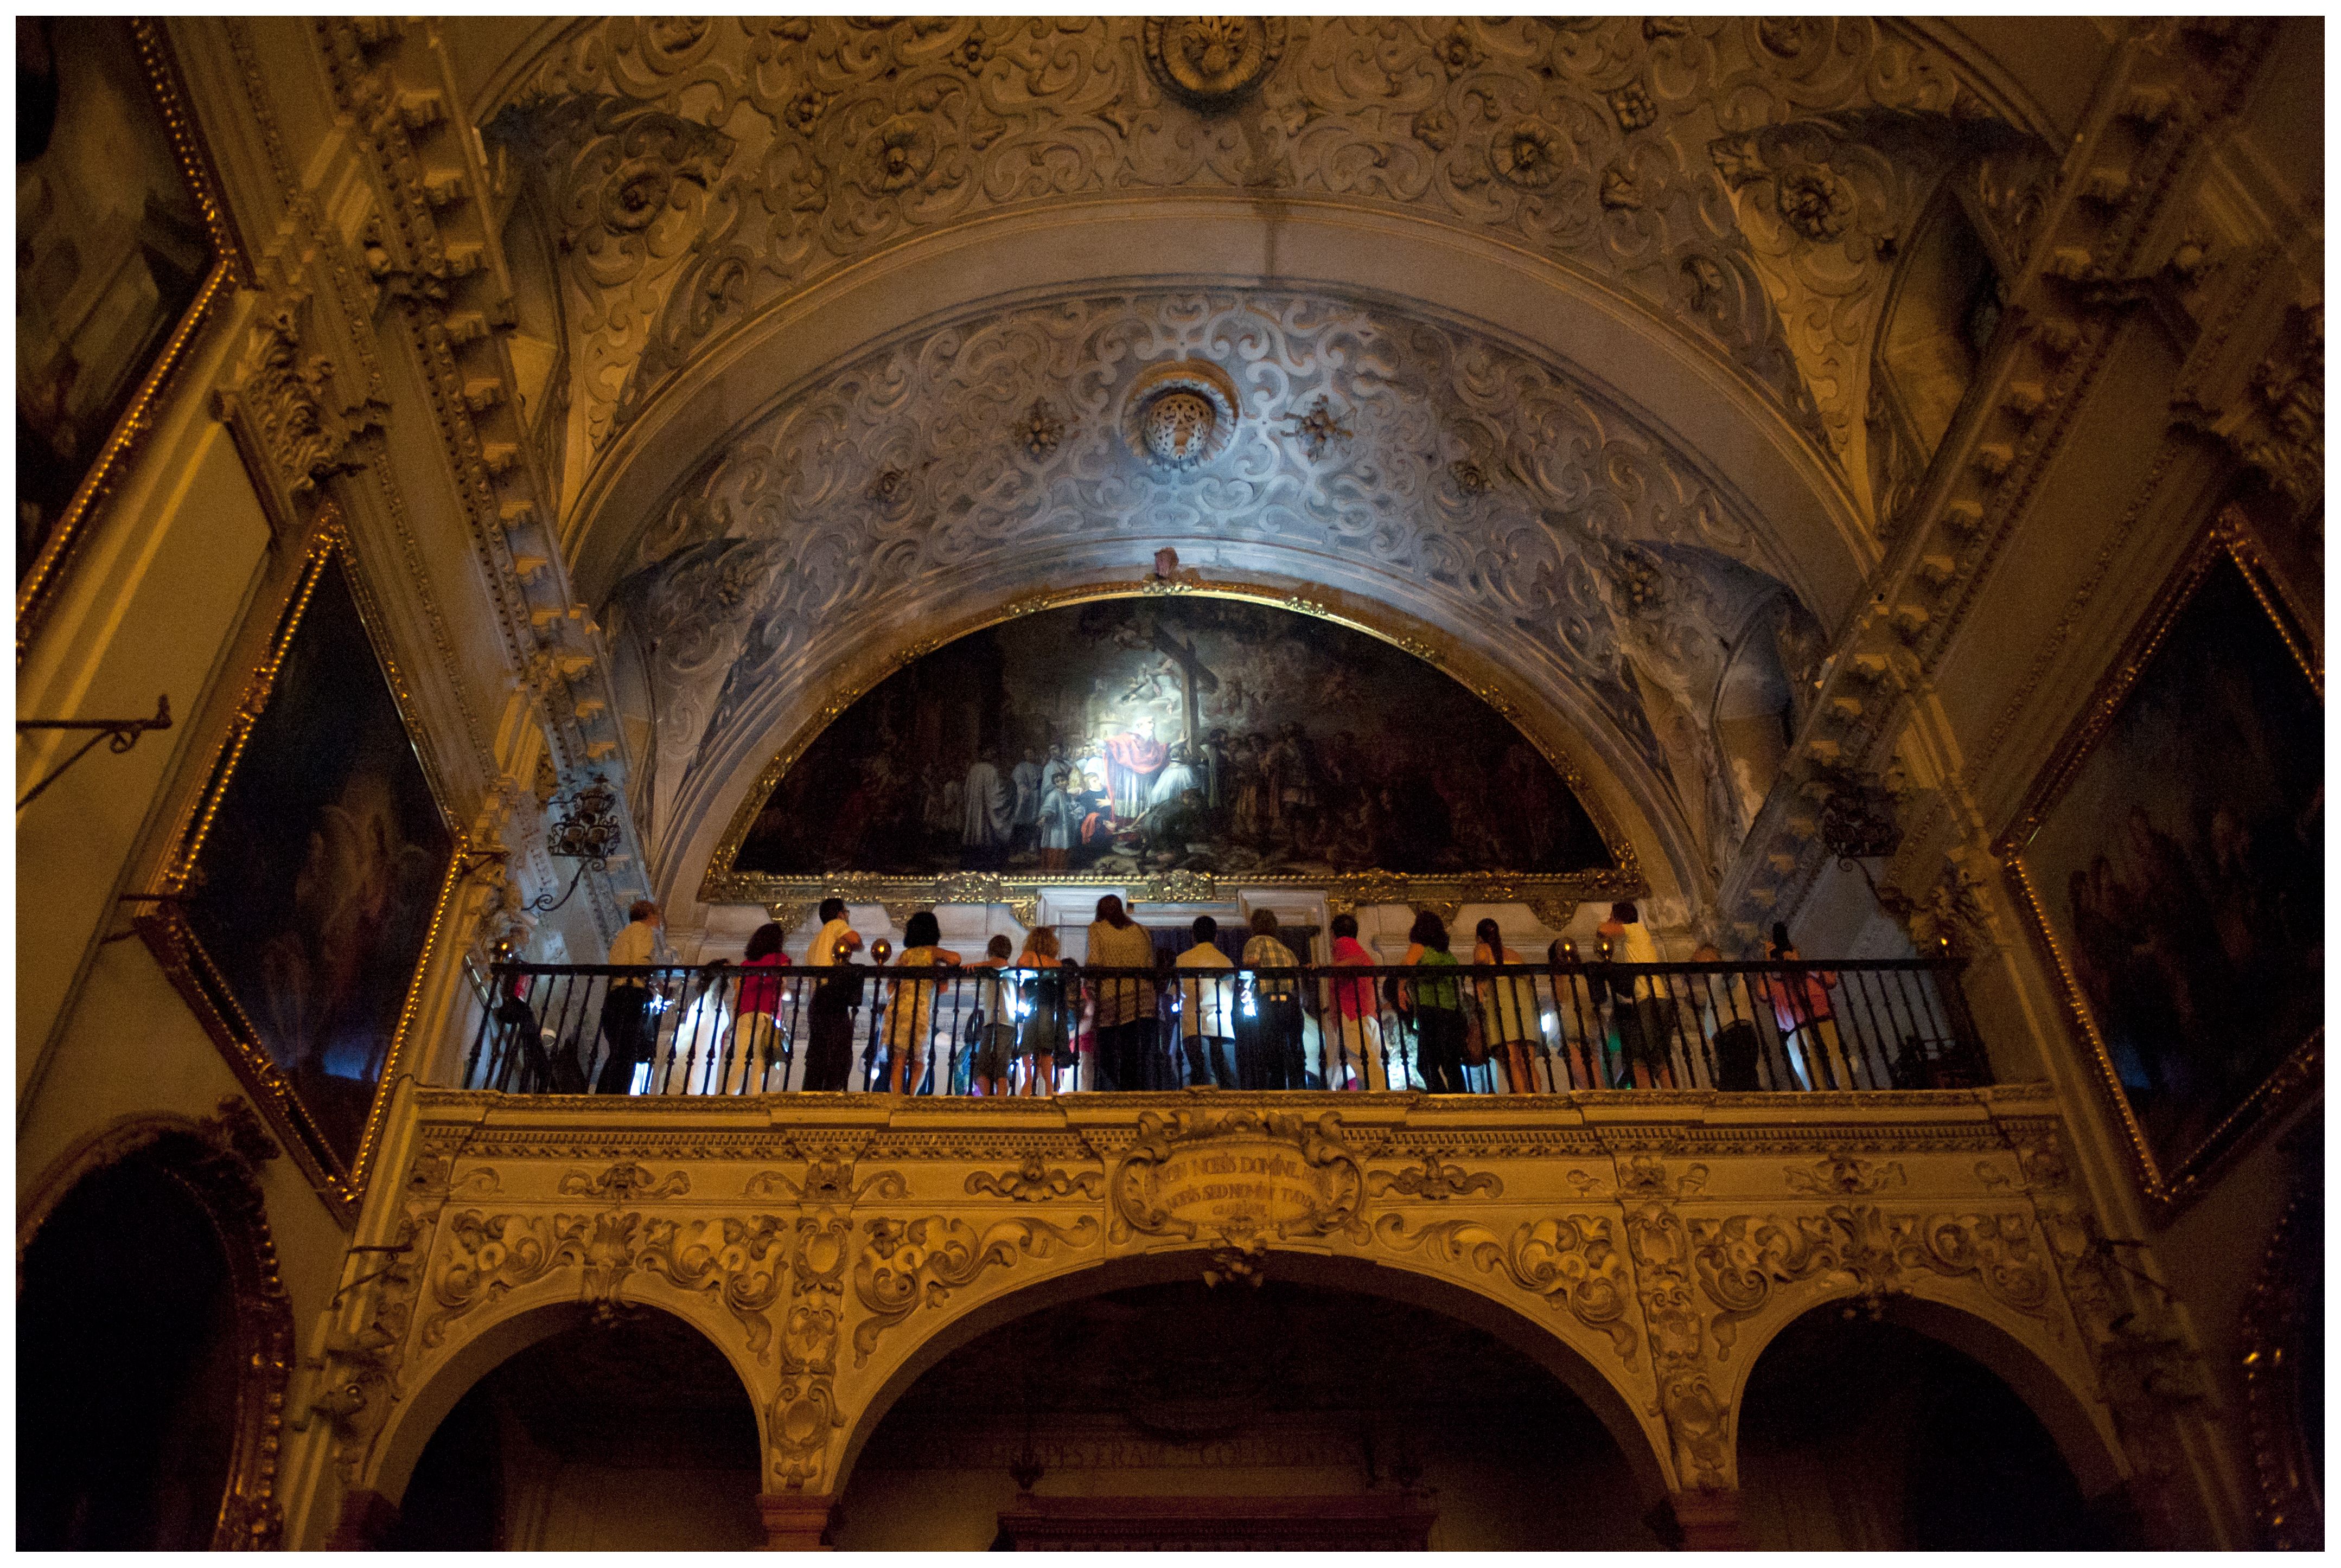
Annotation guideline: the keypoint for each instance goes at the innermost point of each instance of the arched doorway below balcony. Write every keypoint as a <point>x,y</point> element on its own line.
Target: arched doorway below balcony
<point>631,1432</point>
<point>1178,1414</point>
<point>1856,1434</point>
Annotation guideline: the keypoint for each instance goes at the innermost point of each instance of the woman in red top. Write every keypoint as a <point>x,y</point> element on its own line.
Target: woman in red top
<point>755,1017</point>
<point>1800,1006</point>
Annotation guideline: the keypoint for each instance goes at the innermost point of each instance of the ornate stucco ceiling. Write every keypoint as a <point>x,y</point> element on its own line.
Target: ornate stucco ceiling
<point>1592,304</point>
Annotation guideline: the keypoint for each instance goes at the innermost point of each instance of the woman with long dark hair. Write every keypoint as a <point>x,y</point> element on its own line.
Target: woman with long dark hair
<point>756,1030</point>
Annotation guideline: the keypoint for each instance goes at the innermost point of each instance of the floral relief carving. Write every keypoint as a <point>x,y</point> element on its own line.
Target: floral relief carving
<point>907,1263</point>
<point>736,1259</point>
<point>828,1180</point>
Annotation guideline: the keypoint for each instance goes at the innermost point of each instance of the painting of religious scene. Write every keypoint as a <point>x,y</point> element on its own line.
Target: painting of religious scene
<point>313,891</point>
<point>2182,868</point>
<point>111,252</point>
<point>1132,736</point>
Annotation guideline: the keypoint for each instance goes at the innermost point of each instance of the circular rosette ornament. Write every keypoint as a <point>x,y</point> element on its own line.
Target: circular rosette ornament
<point>1529,153</point>
<point>1212,62</point>
<point>1180,414</point>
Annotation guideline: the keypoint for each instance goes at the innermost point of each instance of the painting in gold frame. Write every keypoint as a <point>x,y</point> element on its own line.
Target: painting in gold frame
<point>298,912</point>
<point>123,252</point>
<point>1552,896</point>
<point>2169,863</point>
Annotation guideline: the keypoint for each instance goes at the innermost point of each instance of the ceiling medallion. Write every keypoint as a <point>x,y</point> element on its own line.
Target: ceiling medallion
<point>1181,413</point>
<point>1212,61</point>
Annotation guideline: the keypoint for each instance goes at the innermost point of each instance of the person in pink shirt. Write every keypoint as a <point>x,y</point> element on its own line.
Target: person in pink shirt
<point>1358,1029</point>
<point>756,1019</point>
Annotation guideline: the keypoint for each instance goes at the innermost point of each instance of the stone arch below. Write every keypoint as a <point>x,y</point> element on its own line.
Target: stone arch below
<point>525,1318</point>
<point>1617,1405</point>
<point>2012,1349</point>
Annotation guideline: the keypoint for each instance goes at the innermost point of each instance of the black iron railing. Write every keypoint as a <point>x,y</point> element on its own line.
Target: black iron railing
<point>735,1029</point>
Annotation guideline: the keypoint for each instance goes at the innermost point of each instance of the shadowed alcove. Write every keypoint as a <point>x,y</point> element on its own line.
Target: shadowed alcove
<point>127,1368</point>
<point>1199,1410</point>
<point>1858,1434</point>
<point>632,1435</point>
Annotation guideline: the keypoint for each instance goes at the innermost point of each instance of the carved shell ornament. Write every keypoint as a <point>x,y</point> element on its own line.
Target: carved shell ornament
<point>1180,415</point>
<point>1212,61</point>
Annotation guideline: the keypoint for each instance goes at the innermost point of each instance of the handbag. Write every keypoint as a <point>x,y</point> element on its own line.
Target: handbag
<point>1475,1040</point>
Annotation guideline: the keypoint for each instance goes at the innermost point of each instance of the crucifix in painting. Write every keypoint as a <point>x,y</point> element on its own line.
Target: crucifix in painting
<point>1194,679</point>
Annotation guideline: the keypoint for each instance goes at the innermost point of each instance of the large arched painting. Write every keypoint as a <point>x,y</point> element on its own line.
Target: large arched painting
<point>1137,736</point>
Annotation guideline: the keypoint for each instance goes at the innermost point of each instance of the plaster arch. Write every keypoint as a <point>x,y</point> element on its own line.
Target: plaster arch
<point>1620,1406</point>
<point>2013,1348</point>
<point>524,1318</point>
<point>1814,521</point>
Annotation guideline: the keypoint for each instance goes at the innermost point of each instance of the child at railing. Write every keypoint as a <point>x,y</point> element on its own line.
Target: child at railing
<point>910,1014</point>
<point>995,1052</point>
<point>1043,1001</point>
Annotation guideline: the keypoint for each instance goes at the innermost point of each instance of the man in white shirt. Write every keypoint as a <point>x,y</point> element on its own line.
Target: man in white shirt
<point>626,1003</point>
<point>829,1047</point>
<point>1207,1009</point>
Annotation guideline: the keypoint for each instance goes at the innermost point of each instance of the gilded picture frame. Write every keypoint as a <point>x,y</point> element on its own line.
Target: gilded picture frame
<point>1553,897</point>
<point>2180,1122</point>
<point>42,577</point>
<point>390,814</point>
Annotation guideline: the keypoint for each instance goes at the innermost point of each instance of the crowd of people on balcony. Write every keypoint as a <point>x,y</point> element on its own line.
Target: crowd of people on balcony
<point>1248,1013</point>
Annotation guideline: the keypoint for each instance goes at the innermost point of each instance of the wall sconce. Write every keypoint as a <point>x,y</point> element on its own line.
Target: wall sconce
<point>588,830</point>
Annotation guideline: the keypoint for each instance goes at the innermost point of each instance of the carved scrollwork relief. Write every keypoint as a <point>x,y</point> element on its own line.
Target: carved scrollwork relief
<point>624,1182</point>
<point>1572,1262</point>
<point>828,1180</point>
<point>292,419</point>
<point>852,134</point>
<point>737,1260</point>
<point>1433,1181</point>
<point>1034,1181</point>
<point>907,1263</point>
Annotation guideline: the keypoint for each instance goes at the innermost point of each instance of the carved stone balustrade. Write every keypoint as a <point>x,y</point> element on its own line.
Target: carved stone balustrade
<point>1644,1246</point>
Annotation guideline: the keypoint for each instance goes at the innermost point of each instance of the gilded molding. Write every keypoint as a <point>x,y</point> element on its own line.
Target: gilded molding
<point>230,269</point>
<point>182,955</point>
<point>2229,539</point>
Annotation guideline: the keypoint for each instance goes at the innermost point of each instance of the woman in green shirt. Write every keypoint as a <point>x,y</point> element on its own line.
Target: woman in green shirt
<point>1438,1007</point>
